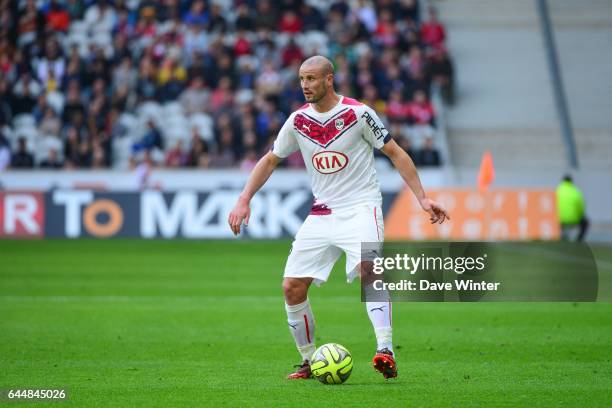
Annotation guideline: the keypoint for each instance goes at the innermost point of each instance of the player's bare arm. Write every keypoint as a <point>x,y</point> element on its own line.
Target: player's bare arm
<point>405,166</point>
<point>260,174</point>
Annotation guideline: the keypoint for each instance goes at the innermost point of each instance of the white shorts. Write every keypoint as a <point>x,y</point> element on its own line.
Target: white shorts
<point>322,238</point>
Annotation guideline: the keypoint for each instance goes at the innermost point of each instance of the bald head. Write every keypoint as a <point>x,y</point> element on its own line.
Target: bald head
<point>319,62</point>
<point>317,79</point>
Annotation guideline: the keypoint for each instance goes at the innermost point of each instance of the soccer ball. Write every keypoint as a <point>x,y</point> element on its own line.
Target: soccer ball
<point>331,364</point>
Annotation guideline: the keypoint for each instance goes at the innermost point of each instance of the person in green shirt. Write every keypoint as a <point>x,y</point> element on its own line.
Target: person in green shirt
<point>570,209</point>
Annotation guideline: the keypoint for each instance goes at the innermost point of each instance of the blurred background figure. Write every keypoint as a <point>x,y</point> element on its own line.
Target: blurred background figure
<point>52,161</point>
<point>571,210</point>
<point>5,152</point>
<point>22,158</point>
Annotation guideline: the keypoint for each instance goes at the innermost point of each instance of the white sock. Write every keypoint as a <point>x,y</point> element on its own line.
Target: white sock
<point>302,327</point>
<point>380,316</point>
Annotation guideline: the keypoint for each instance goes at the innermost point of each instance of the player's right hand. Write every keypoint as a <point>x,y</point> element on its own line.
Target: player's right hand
<point>240,213</point>
<point>437,213</point>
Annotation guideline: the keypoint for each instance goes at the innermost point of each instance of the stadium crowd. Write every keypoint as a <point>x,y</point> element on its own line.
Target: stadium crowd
<point>203,83</point>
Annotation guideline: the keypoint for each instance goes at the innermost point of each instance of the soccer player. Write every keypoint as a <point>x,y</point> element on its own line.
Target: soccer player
<point>336,136</point>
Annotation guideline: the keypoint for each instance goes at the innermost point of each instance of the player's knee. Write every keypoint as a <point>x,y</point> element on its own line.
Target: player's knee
<point>295,291</point>
<point>366,272</point>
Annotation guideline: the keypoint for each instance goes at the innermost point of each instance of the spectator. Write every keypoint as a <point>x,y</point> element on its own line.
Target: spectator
<point>52,161</point>
<point>267,16</point>
<point>74,69</point>
<point>335,24</point>
<point>74,105</point>
<point>249,161</point>
<point>152,138</point>
<point>50,123</point>
<point>409,10</point>
<point>196,40</point>
<point>428,154</point>
<point>386,33</point>
<point>58,17</point>
<point>398,133</point>
<point>22,159</point>
<point>175,157</point>
<point>197,14</point>
<point>5,152</point>
<point>571,209</point>
<point>195,98</point>
<point>371,98</point>
<point>366,13</point>
<point>144,169</point>
<point>171,78</point>
<point>218,24</point>
<point>290,23</point>
<point>30,26</point>
<point>75,9</point>
<point>144,51</point>
<point>125,74</point>
<point>242,45</point>
<point>421,116</point>
<point>225,156</point>
<point>25,92</point>
<point>397,110</point>
<point>244,21</point>
<point>198,152</point>
<point>146,86</point>
<point>433,33</point>
<point>6,111</point>
<point>98,155</point>
<point>84,154</point>
<point>246,74</point>
<point>222,97</point>
<point>71,146</point>
<point>292,53</point>
<point>113,126</point>
<point>311,18</point>
<point>442,71</point>
<point>40,108</point>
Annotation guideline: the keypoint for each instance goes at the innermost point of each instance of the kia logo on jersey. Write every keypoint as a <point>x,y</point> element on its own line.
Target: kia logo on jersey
<point>328,162</point>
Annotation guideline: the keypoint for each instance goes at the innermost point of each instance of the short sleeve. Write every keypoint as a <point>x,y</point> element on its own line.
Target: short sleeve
<point>285,142</point>
<point>374,132</point>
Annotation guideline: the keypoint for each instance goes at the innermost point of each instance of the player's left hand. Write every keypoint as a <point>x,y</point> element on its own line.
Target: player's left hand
<point>437,213</point>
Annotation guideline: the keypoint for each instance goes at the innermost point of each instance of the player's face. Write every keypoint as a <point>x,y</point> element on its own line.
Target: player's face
<point>314,83</point>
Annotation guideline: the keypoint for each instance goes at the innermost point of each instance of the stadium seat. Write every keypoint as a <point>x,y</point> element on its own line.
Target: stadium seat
<point>29,133</point>
<point>244,96</point>
<point>129,121</point>
<point>150,110</point>
<point>24,120</point>
<point>56,101</point>
<point>44,144</point>
<point>173,109</point>
<point>204,123</point>
<point>78,27</point>
<point>102,39</point>
<point>314,42</point>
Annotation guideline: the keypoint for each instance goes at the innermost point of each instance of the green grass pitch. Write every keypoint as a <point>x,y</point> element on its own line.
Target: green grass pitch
<point>187,323</point>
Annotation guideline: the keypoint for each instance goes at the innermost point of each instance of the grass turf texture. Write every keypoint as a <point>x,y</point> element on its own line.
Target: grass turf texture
<point>183,323</point>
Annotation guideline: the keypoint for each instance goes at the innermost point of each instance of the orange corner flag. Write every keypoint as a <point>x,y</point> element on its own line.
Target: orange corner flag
<point>486,174</point>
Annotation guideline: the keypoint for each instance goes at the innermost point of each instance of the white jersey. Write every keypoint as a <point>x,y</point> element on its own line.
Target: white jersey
<point>337,147</point>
